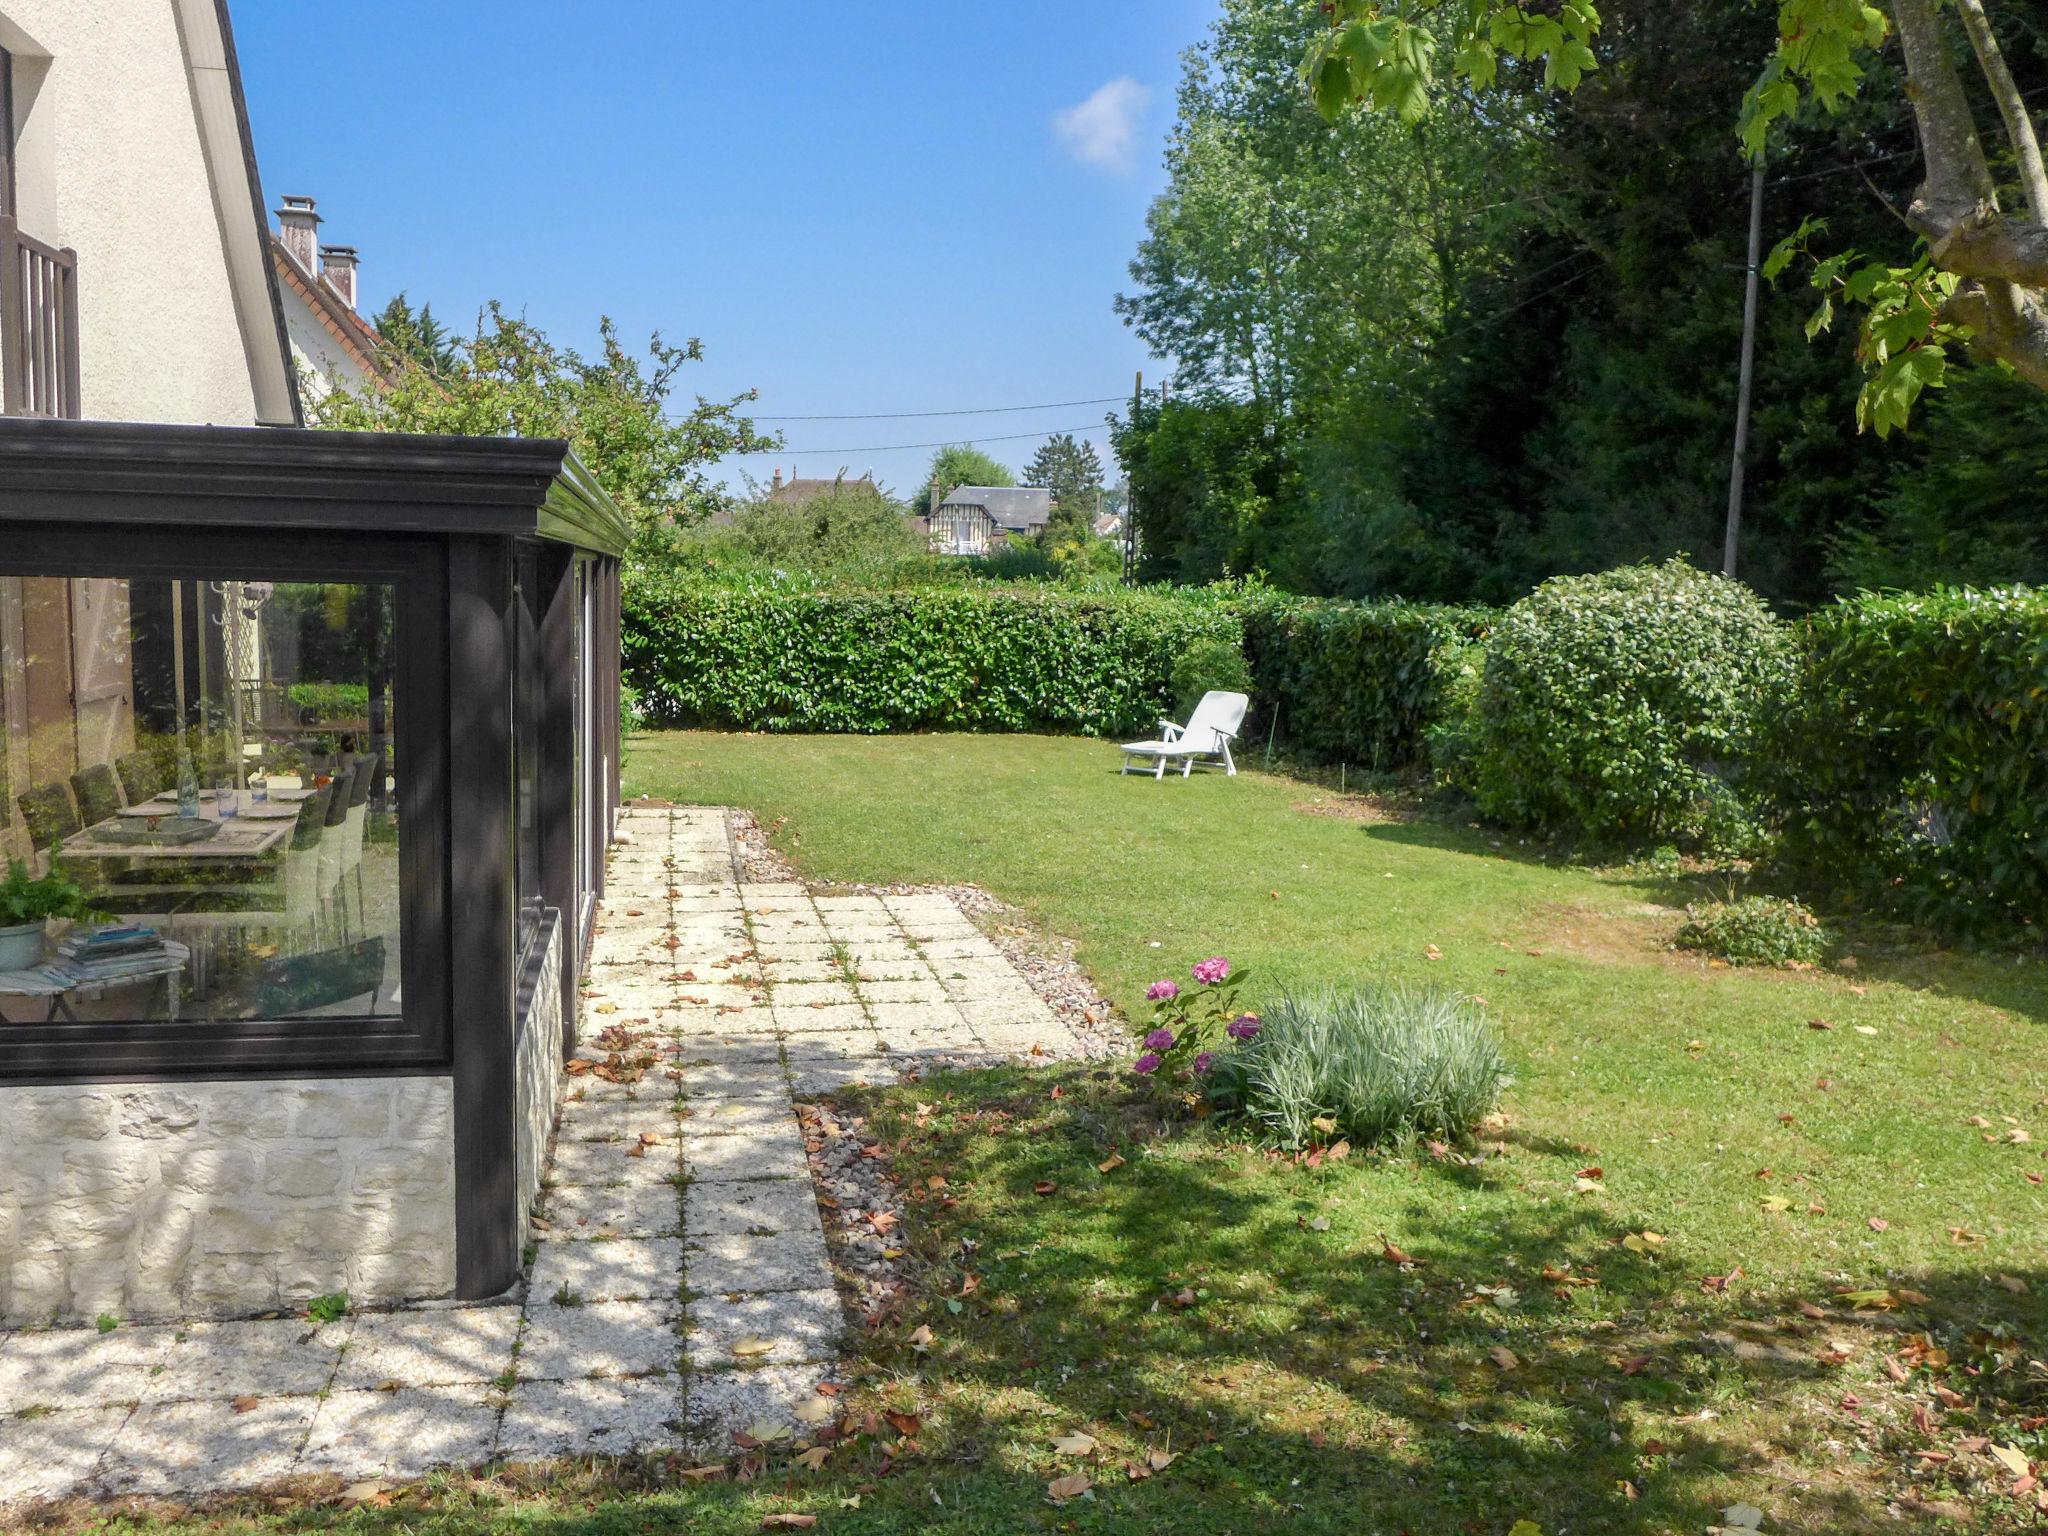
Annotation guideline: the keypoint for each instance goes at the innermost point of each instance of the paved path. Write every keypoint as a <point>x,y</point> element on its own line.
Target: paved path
<point>680,1287</point>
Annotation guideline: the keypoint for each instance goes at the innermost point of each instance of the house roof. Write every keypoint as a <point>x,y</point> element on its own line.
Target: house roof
<point>1008,506</point>
<point>356,336</point>
<point>796,489</point>
<point>223,118</point>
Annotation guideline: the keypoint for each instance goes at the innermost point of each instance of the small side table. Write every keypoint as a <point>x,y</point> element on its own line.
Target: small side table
<point>55,988</point>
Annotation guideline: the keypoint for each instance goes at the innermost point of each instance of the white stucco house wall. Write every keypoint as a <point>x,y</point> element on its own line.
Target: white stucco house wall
<point>129,146</point>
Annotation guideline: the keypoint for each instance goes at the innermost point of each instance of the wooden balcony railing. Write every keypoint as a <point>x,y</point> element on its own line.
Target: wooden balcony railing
<point>38,326</point>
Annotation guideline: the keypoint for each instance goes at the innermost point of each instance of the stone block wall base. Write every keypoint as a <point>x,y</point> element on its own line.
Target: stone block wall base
<point>167,1200</point>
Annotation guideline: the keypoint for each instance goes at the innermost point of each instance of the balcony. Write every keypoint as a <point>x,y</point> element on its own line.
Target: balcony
<point>38,326</point>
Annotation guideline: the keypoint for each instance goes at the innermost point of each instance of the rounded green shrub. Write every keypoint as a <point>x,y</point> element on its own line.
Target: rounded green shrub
<point>1628,705</point>
<point>1756,930</point>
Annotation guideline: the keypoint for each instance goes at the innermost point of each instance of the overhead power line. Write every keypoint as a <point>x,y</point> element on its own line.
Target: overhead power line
<point>983,410</point>
<point>1014,437</point>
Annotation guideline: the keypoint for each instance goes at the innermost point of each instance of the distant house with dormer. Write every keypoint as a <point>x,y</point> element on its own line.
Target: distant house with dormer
<point>974,519</point>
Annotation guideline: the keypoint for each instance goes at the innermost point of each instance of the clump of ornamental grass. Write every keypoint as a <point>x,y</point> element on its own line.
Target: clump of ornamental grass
<point>1756,930</point>
<point>1363,1064</point>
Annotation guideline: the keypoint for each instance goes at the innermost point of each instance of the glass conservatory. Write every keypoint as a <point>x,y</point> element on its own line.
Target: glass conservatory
<point>311,755</point>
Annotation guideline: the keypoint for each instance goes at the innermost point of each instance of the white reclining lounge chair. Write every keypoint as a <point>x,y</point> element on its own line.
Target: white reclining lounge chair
<point>1208,733</point>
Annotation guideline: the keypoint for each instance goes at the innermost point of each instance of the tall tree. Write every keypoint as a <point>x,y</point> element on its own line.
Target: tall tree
<point>509,379</point>
<point>1981,281</point>
<point>416,336</point>
<point>1072,470</point>
<point>956,465</point>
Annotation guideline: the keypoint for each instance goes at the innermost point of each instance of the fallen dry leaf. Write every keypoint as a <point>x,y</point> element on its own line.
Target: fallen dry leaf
<point>1076,1444</point>
<point>1070,1487</point>
<point>787,1521</point>
<point>752,1344</point>
<point>1878,1224</point>
<point>814,1458</point>
<point>2014,1284</point>
<point>2011,1457</point>
<point>244,1404</point>
<point>1503,1357</point>
<point>1045,1187</point>
<point>904,1423</point>
<point>1109,1164</point>
<point>1394,1255</point>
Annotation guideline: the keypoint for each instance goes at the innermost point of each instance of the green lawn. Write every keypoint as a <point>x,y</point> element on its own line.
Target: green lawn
<point>1205,1301</point>
<point>1317,1379</point>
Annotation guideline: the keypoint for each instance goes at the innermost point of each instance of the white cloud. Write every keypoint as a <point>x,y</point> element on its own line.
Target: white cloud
<point>1103,130</point>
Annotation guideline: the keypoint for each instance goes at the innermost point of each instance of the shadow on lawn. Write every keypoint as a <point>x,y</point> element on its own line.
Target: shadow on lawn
<point>1305,1380</point>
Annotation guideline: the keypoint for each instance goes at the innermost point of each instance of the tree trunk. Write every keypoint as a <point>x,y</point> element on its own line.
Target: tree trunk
<point>2003,261</point>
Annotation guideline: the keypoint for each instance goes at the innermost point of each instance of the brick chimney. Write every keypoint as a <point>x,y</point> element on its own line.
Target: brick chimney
<point>298,227</point>
<point>338,266</point>
<point>776,484</point>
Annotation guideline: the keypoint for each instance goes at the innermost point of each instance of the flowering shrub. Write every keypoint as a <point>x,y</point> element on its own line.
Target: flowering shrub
<point>1173,1045</point>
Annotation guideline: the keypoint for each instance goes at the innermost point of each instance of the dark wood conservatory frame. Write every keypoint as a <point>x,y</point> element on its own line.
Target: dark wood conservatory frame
<point>440,520</point>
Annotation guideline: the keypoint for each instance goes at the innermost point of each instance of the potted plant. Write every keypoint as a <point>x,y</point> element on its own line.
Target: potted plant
<point>26,907</point>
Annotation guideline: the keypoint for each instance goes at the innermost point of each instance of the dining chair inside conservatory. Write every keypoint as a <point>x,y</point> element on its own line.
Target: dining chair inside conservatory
<point>334,841</point>
<point>50,817</point>
<point>143,775</point>
<point>98,793</point>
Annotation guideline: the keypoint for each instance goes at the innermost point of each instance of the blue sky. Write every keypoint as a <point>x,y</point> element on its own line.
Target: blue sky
<point>859,207</point>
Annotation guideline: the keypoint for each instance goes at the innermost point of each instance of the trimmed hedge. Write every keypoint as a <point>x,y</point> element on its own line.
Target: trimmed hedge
<point>1359,682</point>
<point>1899,744</point>
<point>782,658</point>
<point>1912,762</point>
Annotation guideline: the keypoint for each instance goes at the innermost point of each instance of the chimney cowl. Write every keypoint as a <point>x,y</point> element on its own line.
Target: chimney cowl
<point>298,227</point>
<point>338,265</point>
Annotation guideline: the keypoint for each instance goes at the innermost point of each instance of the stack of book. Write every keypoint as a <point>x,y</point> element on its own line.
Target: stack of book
<point>109,954</point>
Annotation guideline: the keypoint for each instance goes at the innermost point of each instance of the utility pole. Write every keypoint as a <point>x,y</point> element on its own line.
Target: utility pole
<point>1130,502</point>
<point>1731,544</point>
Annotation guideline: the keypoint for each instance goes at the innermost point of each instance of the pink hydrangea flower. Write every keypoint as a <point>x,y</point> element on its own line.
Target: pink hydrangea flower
<point>1161,991</point>
<point>1147,1063</point>
<point>1243,1027</point>
<point>1159,1040</point>
<point>1214,969</point>
<point>1205,1061</point>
